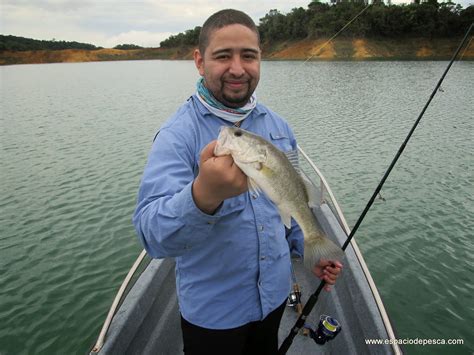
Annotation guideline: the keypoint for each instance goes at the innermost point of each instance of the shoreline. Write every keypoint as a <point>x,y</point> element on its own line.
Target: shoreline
<point>342,49</point>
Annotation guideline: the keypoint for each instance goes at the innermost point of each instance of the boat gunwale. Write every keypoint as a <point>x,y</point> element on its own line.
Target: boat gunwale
<point>336,210</point>
<point>342,221</point>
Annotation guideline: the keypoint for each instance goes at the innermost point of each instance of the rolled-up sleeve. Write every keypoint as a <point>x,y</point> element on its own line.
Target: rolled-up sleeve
<point>166,219</point>
<point>295,239</point>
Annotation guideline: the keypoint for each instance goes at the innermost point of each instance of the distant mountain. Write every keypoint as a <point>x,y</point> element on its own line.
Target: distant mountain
<point>15,43</point>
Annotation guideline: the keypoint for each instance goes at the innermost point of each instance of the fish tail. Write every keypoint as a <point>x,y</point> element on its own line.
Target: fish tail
<point>317,247</point>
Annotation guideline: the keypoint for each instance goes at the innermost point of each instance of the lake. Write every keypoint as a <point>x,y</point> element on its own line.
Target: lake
<point>74,141</point>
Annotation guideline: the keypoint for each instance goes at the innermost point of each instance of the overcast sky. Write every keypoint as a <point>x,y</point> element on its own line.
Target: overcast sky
<point>108,23</point>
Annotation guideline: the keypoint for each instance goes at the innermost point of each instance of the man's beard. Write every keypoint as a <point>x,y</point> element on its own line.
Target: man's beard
<point>237,101</point>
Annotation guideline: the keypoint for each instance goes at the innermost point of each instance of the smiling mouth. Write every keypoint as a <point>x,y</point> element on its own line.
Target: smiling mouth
<point>235,84</point>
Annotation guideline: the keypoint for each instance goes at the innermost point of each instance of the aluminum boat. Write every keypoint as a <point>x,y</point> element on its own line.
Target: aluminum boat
<point>145,319</point>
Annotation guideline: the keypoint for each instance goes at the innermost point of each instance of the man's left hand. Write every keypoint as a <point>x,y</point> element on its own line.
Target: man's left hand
<point>327,270</point>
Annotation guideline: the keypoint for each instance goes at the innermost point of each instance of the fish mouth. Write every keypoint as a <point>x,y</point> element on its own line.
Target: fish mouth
<point>222,142</point>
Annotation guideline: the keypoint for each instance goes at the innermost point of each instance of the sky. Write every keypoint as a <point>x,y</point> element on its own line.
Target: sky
<point>107,23</point>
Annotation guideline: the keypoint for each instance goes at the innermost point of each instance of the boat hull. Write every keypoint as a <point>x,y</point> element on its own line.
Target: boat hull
<point>148,321</point>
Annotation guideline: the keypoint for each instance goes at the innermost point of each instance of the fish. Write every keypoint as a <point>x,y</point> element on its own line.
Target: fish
<point>268,169</point>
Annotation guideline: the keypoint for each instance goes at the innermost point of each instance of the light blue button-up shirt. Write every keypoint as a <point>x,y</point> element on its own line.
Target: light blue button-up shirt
<point>232,267</point>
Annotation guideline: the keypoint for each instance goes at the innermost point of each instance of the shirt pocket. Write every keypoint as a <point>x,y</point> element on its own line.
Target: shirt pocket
<point>279,244</point>
<point>281,141</point>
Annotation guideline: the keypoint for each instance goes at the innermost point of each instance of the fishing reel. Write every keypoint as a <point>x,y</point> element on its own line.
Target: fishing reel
<point>328,328</point>
<point>294,298</point>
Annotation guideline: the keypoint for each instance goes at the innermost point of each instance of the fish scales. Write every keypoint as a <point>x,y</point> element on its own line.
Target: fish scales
<point>269,170</point>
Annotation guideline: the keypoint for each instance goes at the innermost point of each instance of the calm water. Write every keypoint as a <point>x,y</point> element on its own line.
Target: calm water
<point>74,140</point>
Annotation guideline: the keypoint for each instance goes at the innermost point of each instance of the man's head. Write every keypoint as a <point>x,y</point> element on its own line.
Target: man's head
<point>221,19</point>
<point>229,57</point>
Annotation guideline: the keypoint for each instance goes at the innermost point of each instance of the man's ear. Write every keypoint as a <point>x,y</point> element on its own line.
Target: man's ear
<point>199,61</point>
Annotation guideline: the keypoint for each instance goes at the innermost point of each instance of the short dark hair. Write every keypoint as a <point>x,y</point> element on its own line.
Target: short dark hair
<point>221,19</point>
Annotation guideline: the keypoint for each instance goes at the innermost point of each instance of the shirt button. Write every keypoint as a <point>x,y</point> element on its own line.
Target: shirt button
<point>260,283</point>
<point>262,258</point>
<point>260,228</point>
<point>254,196</point>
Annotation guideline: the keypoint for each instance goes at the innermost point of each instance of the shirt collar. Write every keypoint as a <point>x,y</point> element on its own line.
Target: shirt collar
<point>257,111</point>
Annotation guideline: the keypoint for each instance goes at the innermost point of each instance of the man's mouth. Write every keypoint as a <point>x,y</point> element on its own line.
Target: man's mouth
<point>235,84</point>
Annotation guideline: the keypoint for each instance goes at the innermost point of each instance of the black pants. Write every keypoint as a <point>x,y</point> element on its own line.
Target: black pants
<point>252,338</point>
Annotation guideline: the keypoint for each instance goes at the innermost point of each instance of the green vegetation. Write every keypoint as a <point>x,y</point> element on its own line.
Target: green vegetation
<point>427,20</point>
<point>127,46</point>
<point>188,38</point>
<point>14,43</point>
<point>426,30</point>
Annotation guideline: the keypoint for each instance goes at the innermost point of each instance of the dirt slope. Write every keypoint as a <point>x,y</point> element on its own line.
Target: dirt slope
<point>320,49</point>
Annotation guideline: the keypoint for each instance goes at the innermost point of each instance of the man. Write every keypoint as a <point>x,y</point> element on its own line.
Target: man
<point>231,248</point>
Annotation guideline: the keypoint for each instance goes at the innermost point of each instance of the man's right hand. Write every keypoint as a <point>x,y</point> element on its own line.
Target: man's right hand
<point>219,178</point>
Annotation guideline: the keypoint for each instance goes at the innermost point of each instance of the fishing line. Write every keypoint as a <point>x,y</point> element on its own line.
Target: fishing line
<point>314,297</point>
<point>337,33</point>
<point>460,57</point>
<point>465,49</point>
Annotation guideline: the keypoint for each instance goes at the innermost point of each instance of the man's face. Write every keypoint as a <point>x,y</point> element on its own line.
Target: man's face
<point>231,64</point>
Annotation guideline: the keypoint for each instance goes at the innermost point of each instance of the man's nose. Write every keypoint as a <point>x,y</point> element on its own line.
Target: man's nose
<point>236,68</point>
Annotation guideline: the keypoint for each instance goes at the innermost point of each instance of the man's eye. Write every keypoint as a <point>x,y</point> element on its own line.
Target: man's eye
<point>250,56</point>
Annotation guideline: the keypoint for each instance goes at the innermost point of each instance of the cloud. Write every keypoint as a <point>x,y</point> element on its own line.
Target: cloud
<point>107,23</point>
<point>61,6</point>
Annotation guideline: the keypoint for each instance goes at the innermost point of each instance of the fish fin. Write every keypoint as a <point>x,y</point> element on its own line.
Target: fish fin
<point>253,187</point>
<point>318,247</point>
<point>285,217</point>
<point>314,196</point>
<point>265,170</point>
<point>292,156</point>
<point>261,157</point>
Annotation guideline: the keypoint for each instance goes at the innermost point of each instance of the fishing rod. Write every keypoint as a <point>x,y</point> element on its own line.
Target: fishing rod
<point>294,300</point>
<point>314,297</point>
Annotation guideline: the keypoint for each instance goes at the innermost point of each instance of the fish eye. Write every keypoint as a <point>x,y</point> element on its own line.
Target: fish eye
<point>238,133</point>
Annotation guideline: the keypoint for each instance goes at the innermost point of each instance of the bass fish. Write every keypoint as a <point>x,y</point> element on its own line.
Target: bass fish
<point>269,170</point>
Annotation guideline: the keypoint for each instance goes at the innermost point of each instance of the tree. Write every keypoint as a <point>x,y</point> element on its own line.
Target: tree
<point>427,19</point>
<point>15,43</point>
<point>188,38</point>
<point>273,26</point>
<point>127,46</point>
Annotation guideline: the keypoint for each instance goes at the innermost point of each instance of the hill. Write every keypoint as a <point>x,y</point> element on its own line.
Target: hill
<point>427,30</point>
<point>15,43</point>
<point>355,19</point>
<point>338,49</point>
